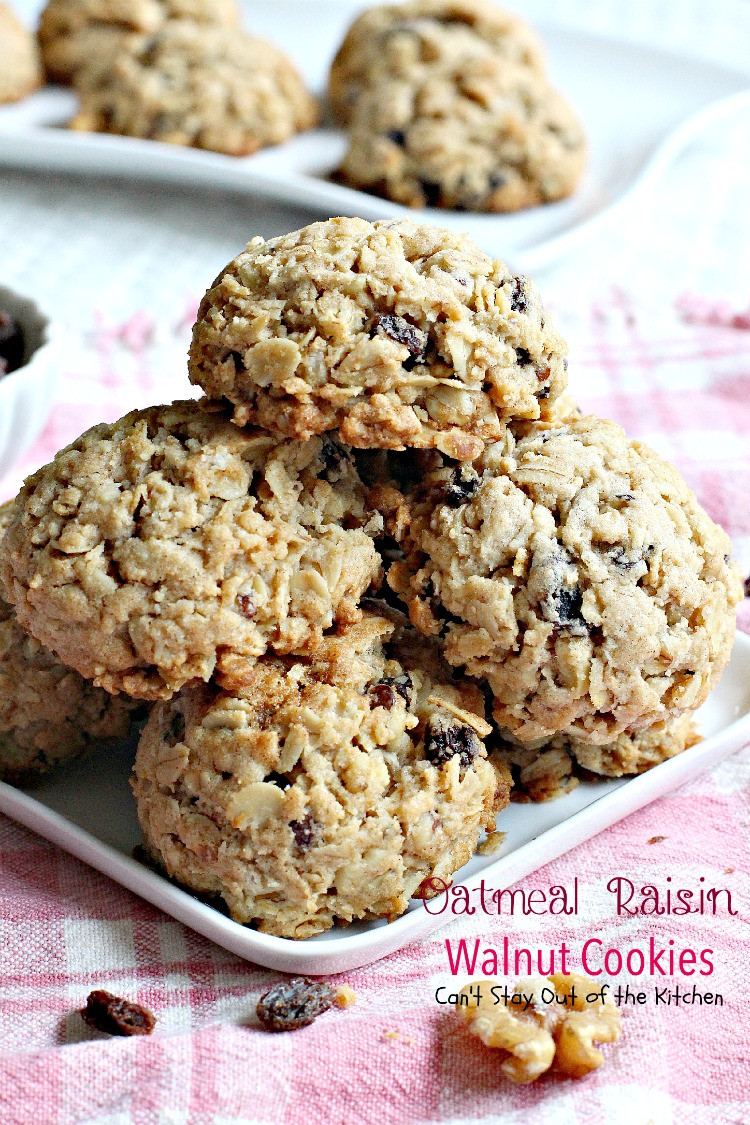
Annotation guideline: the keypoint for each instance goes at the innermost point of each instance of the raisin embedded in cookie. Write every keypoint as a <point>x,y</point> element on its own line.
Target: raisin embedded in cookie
<point>310,791</point>
<point>469,134</point>
<point>209,87</point>
<point>396,334</point>
<point>552,768</point>
<point>48,713</point>
<point>429,26</point>
<point>154,545</point>
<point>74,34</point>
<point>576,572</point>
<point>20,64</point>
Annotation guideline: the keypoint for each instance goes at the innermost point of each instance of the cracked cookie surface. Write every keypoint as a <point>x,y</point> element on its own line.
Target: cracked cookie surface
<point>20,64</point>
<point>74,33</point>
<point>551,769</point>
<point>48,713</point>
<point>204,86</point>
<point>575,571</point>
<point>461,26</point>
<point>310,791</point>
<point>395,333</point>
<point>154,545</point>
<point>461,129</point>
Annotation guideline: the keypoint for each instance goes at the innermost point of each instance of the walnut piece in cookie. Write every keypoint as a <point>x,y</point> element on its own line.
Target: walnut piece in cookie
<point>159,543</point>
<point>302,790</point>
<point>76,34</point>
<point>554,1024</point>
<point>207,87</point>
<point>580,578</point>
<point>396,334</point>
<point>293,1004</point>
<point>114,1016</point>
<point>464,134</point>
<point>48,713</point>
<point>435,26</point>
<point>20,64</point>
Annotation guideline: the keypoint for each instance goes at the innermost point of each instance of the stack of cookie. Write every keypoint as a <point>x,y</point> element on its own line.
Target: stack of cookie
<point>448,105</point>
<point>177,71</point>
<point>381,520</point>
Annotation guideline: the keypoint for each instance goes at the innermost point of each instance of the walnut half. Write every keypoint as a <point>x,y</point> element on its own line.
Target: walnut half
<point>541,1024</point>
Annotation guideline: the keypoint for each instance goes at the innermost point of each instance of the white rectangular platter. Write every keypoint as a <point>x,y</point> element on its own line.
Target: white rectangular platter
<point>87,809</point>
<point>641,108</point>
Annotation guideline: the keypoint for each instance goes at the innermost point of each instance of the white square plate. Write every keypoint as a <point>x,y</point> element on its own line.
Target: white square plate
<point>87,809</point>
<point>640,106</point>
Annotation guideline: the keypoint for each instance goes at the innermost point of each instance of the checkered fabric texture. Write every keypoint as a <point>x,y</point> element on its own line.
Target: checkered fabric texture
<point>657,312</point>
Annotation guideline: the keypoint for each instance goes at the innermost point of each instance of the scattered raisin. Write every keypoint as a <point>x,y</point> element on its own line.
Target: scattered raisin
<point>518,300</point>
<point>399,330</point>
<point>496,180</point>
<point>294,1003</point>
<point>565,363</point>
<point>246,605</point>
<point>397,136</point>
<point>384,692</point>
<point>332,456</point>
<point>460,488</point>
<point>746,586</point>
<point>523,355</point>
<point>621,560</point>
<point>304,832</point>
<point>115,1016</point>
<point>444,739</point>
<point>11,344</point>
<point>544,393</point>
<point>568,606</point>
<point>431,192</point>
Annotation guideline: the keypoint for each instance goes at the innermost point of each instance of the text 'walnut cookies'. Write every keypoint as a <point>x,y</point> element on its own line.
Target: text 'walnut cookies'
<point>48,713</point>
<point>472,24</point>
<point>576,572</point>
<point>546,1023</point>
<point>203,86</point>
<point>461,129</point>
<point>306,791</point>
<point>20,64</point>
<point>73,34</point>
<point>154,545</point>
<point>396,334</point>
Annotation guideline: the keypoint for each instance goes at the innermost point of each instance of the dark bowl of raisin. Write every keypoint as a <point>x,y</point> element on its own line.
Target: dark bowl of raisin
<point>28,374</point>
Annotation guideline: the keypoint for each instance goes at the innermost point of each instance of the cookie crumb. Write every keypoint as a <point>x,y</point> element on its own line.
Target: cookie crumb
<point>344,997</point>
<point>492,844</point>
<point>728,870</point>
<point>114,1016</point>
<point>655,839</point>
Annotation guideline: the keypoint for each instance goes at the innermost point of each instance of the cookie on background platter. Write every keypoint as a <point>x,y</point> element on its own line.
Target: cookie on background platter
<point>575,571</point>
<point>427,29</point>
<point>310,791</point>
<point>156,545</point>
<point>48,713</point>
<point>73,34</point>
<point>396,334</point>
<point>208,87</point>
<point>20,63</point>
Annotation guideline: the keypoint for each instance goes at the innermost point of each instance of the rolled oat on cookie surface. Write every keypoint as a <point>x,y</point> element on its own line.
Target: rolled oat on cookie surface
<point>306,791</point>
<point>396,334</point>
<point>155,546</point>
